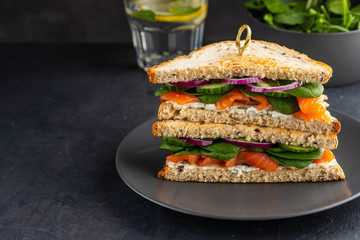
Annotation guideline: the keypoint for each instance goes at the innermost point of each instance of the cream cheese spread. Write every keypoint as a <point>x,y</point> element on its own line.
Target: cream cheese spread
<point>234,109</point>
<point>239,169</point>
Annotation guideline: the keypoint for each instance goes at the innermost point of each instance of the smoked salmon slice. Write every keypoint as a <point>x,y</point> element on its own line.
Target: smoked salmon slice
<point>263,102</point>
<point>327,156</point>
<point>230,98</point>
<point>178,97</point>
<point>259,160</point>
<point>313,108</point>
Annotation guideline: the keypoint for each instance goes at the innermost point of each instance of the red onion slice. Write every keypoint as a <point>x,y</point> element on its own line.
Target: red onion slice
<point>198,142</point>
<point>248,144</point>
<point>195,83</point>
<point>243,80</point>
<point>252,88</point>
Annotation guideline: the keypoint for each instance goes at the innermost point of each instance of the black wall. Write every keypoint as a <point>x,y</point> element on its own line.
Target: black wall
<point>97,20</point>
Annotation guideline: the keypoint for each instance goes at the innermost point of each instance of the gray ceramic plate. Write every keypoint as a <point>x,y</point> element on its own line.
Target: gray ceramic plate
<point>138,160</point>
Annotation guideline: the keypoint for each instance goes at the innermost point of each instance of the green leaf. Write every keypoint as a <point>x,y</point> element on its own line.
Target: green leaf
<point>330,28</point>
<point>220,151</point>
<point>284,105</point>
<point>160,91</point>
<point>180,10</point>
<point>222,147</point>
<point>255,5</point>
<point>290,18</point>
<point>190,151</point>
<point>276,6</point>
<point>176,141</point>
<point>297,6</point>
<point>307,90</point>
<point>336,6</point>
<point>291,162</point>
<point>208,99</point>
<point>355,9</point>
<point>166,146</point>
<point>255,149</point>
<point>299,156</point>
<point>145,14</point>
<point>217,155</point>
<point>174,144</point>
<point>269,19</point>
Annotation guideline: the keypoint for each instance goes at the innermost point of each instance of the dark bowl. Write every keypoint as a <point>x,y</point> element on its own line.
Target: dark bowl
<point>339,50</point>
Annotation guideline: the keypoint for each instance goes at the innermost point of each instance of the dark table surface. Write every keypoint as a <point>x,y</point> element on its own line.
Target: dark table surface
<point>64,110</point>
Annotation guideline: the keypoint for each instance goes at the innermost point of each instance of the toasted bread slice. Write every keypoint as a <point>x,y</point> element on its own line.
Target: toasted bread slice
<point>178,128</point>
<point>181,173</point>
<point>207,113</point>
<point>260,58</point>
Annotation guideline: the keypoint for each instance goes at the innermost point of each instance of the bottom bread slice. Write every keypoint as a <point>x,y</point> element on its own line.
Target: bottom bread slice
<point>187,173</point>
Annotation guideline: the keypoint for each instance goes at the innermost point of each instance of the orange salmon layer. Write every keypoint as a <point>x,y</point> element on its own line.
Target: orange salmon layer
<point>313,108</point>
<point>256,159</point>
<point>310,108</point>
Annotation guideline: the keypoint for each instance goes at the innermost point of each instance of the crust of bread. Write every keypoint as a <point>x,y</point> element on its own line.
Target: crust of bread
<point>260,58</point>
<point>181,174</point>
<point>236,115</point>
<point>178,128</point>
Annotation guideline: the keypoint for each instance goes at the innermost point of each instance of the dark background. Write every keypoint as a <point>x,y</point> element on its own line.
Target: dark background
<point>97,21</point>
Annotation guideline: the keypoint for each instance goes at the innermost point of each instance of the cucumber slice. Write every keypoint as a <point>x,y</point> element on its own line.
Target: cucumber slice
<point>214,88</point>
<point>270,83</point>
<point>170,87</point>
<point>297,149</point>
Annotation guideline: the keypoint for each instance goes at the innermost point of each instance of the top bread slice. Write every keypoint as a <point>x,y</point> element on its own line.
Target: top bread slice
<point>260,59</point>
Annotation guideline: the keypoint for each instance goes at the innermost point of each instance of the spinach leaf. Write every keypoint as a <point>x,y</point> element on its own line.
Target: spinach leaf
<point>220,151</point>
<point>160,91</point>
<point>290,18</point>
<point>284,105</point>
<point>218,155</point>
<point>176,141</point>
<point>307,90</point>
<point>167,146</point>
<point>255,4</point>
<point>291,162</point>
<point>269,19</point>
<point>145,14</point>
<point>276,6</point>
<point>211,98</point>
<point>196,150</point>
<point>222,147</point>
<point>299,156</point>
<point>174,144</point>
<point>336,6</point>
<point>255,149</point>
<point>355,9</point>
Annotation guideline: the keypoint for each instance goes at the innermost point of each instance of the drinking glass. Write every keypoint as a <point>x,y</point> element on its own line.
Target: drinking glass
<point>164,29</point>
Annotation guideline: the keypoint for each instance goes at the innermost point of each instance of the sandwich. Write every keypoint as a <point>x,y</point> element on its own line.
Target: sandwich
<point>257,117</point>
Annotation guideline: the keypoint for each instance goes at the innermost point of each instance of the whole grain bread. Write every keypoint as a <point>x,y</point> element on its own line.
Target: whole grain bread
<point>182,174</point>
<point>260,58</point>
<point>237,115</point>
<point>179,128</point>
